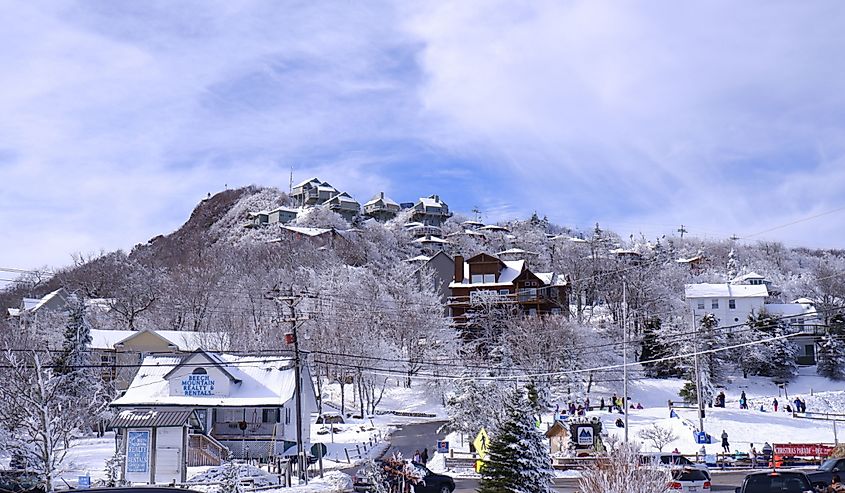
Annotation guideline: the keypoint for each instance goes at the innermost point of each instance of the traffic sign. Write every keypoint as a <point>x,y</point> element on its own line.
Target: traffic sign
<point>84,482</point>
<point>701,437</point>
<point>319,450</point>
<point>442,446</point>
<point>481,442</point>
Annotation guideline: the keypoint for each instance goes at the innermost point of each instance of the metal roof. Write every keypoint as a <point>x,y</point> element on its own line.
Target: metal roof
<point>148,418</point>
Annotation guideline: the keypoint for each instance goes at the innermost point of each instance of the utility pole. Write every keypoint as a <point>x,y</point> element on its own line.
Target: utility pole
<point>625,354</point>
<point>682,230</point>
<point>290,183</point>
<point>291,339</point>
<point>697,375</point>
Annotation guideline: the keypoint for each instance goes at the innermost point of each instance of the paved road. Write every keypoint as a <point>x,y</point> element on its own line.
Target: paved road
<point>412,437</point>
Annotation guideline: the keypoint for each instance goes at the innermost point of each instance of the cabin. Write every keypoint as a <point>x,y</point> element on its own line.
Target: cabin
<point>381,208</point>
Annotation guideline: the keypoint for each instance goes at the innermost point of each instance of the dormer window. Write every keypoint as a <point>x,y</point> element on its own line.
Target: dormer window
<point>199,371</point>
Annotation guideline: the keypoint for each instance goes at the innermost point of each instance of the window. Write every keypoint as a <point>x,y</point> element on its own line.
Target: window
<point>479,278</point>
<point>270,415</point>
<point>527,294</point>
<point>287,416</point>
<point>732,304</point>
<point>701,305</point>
<point>555,311</point>
<point>714,304</point>
<point>504,292</point>
<point>199,371</point>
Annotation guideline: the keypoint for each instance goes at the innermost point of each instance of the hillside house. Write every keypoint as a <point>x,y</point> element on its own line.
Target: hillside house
<point>55,303</point>
<point>431,244</point>
<point>507,282</point>
<point>381,207</point>
<point>319,237</point>
<point>431,211</point>
<point>344,205</point>
<point>312,192</point>
<point>730,303</point>
<point>117,350</point>
<point>279,215</point>
<point>243,403</point>
<point>441,267</point>
<point>419,230</point>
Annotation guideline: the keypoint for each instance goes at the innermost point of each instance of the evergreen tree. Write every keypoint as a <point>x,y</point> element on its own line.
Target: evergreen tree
<point>74,356</point>
<point>517,460</point>
<point>733,269</point>
<point>831,357</point>
<point>783,355</point>
<point>654,348</point>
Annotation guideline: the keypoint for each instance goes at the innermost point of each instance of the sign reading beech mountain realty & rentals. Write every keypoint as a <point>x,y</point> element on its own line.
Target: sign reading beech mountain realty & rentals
<point>137,450</point>
<point>198,385</point>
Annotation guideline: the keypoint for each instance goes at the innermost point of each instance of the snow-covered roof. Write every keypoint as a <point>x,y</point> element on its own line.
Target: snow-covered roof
<point>746,277</point>
<point>805,301</point>
<point>29,303</point>
<point>517,251</point>
<point>790,309</point>
<point>623,251</point>
<point>578,240</point>
<point>511,270</point>
<point>430,239</point>
<point>307,231</point>
<point>418,258</point>
<point>384,198</point>
<point>311,180</point>
<point>545,277</point>
<point>46,299</point>
<point>261,381</point>
<point>725,290</point>
<point>472,223</point>
<point>14,312</point>
<point>412,224</point>
<point>494,227</point>
<point>689,260</point>
<point>284,209</point>
<point>431,202</point>
<point>182,339</point>
<point>466,232</point>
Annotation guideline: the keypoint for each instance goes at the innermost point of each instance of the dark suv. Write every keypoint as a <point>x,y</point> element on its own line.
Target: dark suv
<point>431,482</point>
<point>777,482</point>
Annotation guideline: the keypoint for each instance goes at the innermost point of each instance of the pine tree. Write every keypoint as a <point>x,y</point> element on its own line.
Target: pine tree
<point>77,340</point>
<point>733,269</point>
<point>654,348</point>
<point>831,358</point>
<point>517,460</point>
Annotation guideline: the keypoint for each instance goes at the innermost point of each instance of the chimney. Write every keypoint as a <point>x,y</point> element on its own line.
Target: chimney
<point>381,195</point>
<point>459,268</point>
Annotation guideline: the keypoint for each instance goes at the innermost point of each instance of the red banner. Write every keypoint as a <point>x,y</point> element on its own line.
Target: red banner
<point>802,449</point>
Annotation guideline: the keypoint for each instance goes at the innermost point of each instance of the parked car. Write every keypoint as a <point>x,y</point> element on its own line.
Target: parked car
<point>824,473</point>
<point>431,482</point>
<point>690,479</point>
<point>777,482</point>
<point>672,460</point>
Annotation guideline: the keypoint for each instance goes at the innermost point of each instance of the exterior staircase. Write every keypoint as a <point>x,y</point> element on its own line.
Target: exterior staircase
<point>204,450</point>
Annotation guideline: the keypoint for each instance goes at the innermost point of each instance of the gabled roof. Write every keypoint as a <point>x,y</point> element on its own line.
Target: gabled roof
<point>263,381</point>
<point>283,209</point>
<point>212,358</point>
<point>183,340</point>
<point>431,201</point>
<point>307,231</point>
<point>746,277</point>
<point>725,291</point>
<point>314,180</point>
<point>382,197</point>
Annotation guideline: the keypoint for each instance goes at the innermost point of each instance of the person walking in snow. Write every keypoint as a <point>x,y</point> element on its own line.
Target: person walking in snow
<point>775,404</point>
<point>797,403</point>
<point>601,404</point>
<point>743,401</point>
<point>424,456</point>
<point>803,406</point>
<point>752,454</point>
<point>725,445</point>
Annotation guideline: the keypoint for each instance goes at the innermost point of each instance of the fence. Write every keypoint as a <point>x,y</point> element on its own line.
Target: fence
<point>360,451</point>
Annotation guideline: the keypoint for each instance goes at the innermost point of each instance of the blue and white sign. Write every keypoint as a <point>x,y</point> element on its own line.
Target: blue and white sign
<point>701,437</point>
<point>84,481</point>
<point>137,451</point>
<point>198,385</point>
<point>442,446</point>
<point>585,435</point>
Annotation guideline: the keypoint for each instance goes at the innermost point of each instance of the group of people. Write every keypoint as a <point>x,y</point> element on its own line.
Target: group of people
<point>421,457</point>
<point>798,405</point>
<point>616,404</point>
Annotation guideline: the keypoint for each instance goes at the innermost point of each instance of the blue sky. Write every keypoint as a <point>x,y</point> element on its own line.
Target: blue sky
<point>119,116</point>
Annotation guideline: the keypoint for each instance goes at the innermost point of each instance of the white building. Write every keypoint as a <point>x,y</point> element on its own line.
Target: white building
<point>243,403</point>
<point>730,303</point>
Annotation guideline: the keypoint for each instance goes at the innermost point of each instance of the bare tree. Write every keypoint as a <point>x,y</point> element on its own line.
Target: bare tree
<point>623,472</point>
<point>658,436</point>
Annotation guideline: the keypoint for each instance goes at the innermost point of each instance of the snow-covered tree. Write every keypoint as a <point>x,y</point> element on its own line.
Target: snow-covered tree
<point>653,348</point>
<point>230,481</point>
<point>831,354</point>
<point>624,472</point>
<point>517,460</point>
<point>41,418</point>
<point>74,356</point>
